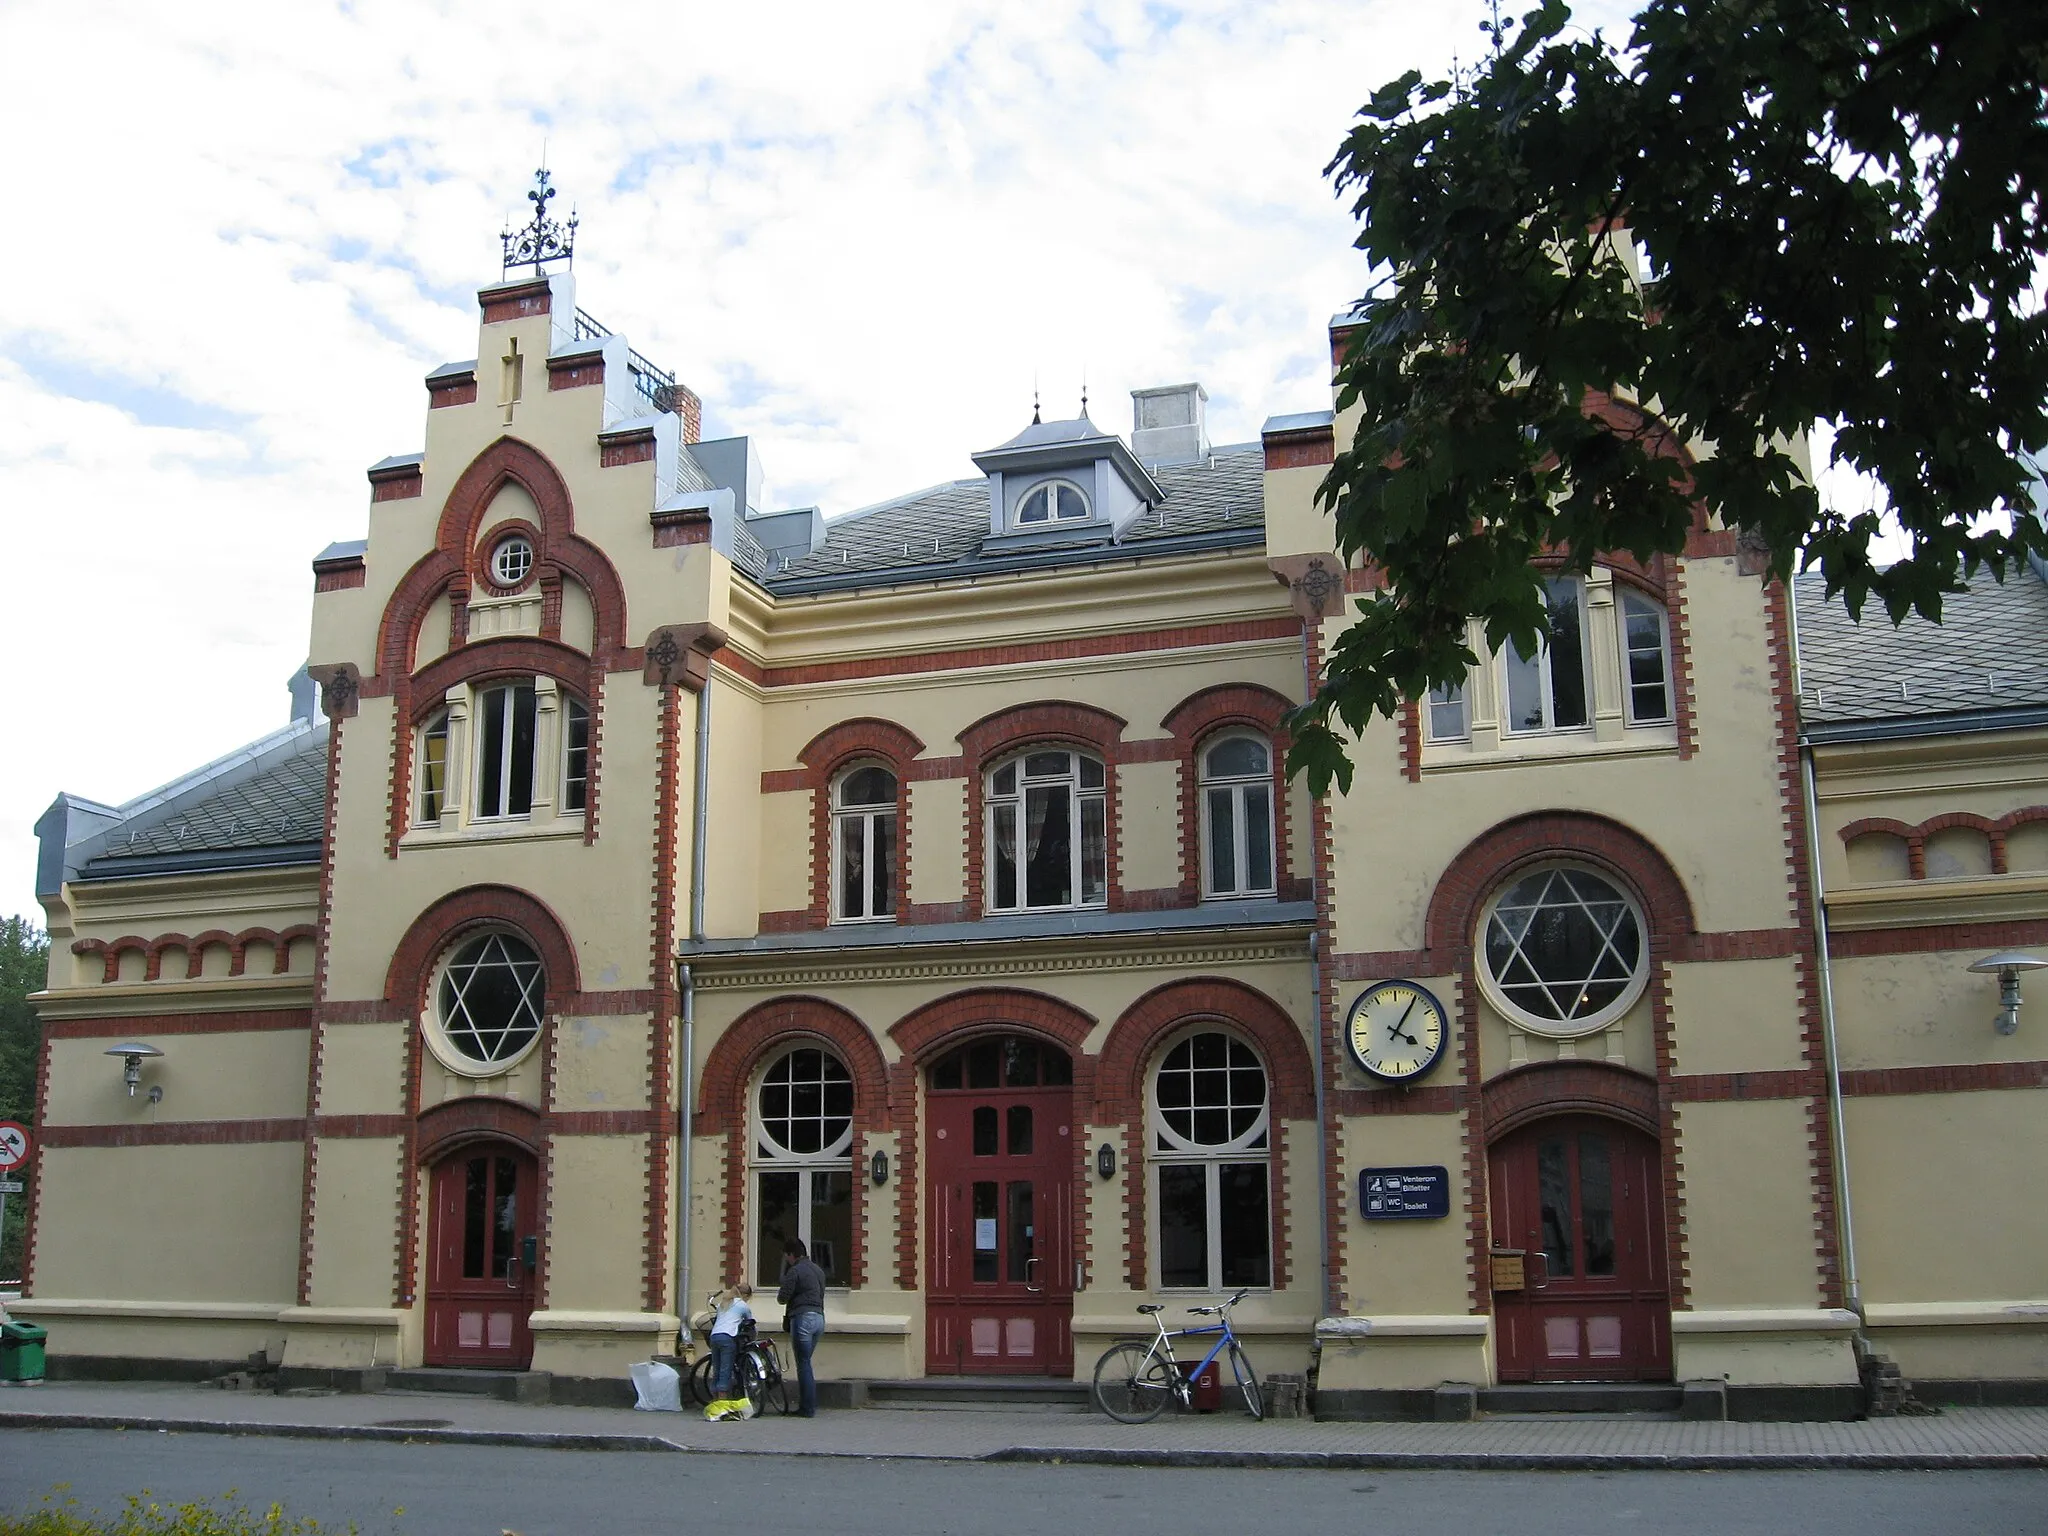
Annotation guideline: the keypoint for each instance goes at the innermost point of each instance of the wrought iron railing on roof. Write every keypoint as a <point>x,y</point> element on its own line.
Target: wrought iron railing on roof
<point>657,386</point>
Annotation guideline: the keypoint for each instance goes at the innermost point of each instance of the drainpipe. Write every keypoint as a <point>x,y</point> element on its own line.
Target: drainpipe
<point>700,823</point>
<point>1852,1285</point>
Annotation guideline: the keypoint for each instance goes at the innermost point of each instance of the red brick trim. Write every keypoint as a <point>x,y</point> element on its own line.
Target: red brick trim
<point>1411,740</point>
<point>1124,1065</point>
<point>451,389</point>
<point>578,372</point>
<point>1442,1099</point>
<point>322,953</point>
<point>912,664</point>
<point>1095,731</point>
<point>1996,830</point>
<point>1192,722</point>
<point>1678,638</point>
<point>1977,1077</point>
<point>393,482</point>
<point>1919,939</point>
<point>237,944</point>
<point>661,1027</point>
<point>904,1107</point>
<point>920,1033</point>
<point>1545,1088</point>
<point>340,575</point>
<point>503,656</point>
<point>687,525</point>
<point>239,1023</point>
<point>444,1127</point>
<point>1727,1087</point>
<point>1303,448</point>
<point>516,302</point>
<point>174,1133</point>
<point>480,558</point>
<point>634,445</point>
<point>1321,867</point>
<point>35,1190</point>
<point>410,974</point>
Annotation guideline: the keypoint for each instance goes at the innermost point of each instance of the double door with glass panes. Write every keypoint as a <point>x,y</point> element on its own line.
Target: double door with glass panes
<point>482,1255</point>
<point>1000,1146</point>
<point>1580,1287</point>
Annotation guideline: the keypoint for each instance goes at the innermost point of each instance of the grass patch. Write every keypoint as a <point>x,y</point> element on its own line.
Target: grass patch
<point>145,1515</point>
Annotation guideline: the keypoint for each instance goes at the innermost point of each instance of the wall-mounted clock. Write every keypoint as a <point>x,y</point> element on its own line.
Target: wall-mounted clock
<point>1396,1031</point>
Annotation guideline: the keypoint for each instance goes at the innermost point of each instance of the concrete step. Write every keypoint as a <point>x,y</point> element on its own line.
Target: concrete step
<point>507,1386</point>
<point>1034,1394</point>
<point>1592,1399</point>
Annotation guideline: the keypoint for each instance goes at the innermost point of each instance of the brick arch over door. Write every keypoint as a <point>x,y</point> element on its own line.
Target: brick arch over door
<point>1545,1088</point>
<point>455,1123</point>
<point>1127,1057</point>
<point>722,1107</point>
<point>1480,869</point>
<point>923,1033</point>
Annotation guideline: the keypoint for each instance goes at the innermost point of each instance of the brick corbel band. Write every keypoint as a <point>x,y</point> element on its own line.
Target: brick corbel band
<point>681,654</point>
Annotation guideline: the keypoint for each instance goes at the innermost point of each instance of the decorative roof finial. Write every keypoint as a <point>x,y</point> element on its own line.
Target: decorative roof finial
<point>1034,405</point>
<point>544,240</point>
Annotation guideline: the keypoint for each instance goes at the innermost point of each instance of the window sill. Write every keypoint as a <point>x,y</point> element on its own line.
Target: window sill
<point>998,914</point>
<point>507,830</point>
<point>1561,746</point>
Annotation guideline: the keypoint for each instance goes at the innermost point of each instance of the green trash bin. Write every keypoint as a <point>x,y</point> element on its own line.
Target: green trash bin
<point>21,1352</point>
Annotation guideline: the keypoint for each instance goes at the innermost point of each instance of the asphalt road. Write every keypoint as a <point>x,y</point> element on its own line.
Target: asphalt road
<point>439,1490</point>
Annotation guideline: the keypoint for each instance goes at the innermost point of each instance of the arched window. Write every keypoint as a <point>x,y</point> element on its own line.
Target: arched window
<point>1210,1136</point>
<point>504,734</point>
<point>864,845</point>
<point>1237,817</point>
<point>494,742</point>
<point>1055,501</point>
<point>803,1163</point>
<point>487,1004</point>
<point>1563,951</point>
<point>1048,834</point>
<point>1547,688</point>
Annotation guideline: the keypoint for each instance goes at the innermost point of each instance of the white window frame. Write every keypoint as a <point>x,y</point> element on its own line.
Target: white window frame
<point>1080,795</point>
<point>771,1156</point>
<point>1167,1148</point>
<point>1050,490</point>
<point>439,1038</point>
<point>575,778</point>
<point>862,821</point>
<point>502,554</point>
<point>1446,716</point>
<point>1627,600</point>
<point>1586,1024</point>
<point>433,798</point>
<point>504,694</point>
<point>1544,663</point>
<point>1236,787</point>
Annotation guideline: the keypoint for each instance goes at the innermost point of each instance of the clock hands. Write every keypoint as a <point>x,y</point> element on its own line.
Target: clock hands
<point>1395,1029</point>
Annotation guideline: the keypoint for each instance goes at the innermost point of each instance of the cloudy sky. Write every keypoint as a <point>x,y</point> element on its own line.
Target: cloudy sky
<point>238,234</point>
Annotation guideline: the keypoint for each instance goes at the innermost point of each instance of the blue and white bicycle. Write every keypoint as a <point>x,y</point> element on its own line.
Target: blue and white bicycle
<point>1136,1378</point>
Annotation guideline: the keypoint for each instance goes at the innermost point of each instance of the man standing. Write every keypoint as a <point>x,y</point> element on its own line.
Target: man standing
<point>802,1292</point>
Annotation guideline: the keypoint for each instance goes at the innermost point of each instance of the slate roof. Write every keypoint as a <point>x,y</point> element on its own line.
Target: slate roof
<point>1990,652</point>
<point>938,532</point>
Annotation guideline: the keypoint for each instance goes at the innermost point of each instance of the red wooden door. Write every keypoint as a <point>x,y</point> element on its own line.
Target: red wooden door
<point>1000,1218</point>
<point>1582,1200</point>
<point>479,1284</point>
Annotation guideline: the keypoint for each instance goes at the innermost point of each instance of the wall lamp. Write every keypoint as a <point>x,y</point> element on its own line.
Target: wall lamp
<point>131,1072</point>
<point>878,1167</point>
<point>2008,964</point>
<point>1105,1161</point>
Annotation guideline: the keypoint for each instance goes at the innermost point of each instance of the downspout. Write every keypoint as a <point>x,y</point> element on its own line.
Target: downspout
<point>1852,1285</point>
<point>700,823</point>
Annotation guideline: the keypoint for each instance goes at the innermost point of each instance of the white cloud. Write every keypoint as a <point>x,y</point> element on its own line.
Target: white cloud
<point>860,232</point>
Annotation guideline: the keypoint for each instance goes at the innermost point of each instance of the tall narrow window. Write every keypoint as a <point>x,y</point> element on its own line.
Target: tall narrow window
<point>1447,720</point>
<point>1237,817</point>
<point>803,1166</point>
<point>1211,1130</point>
<point>1646,663</point>
<point>1546,689</point>
<point>575,755</point>
<point>864,845</point>
<point>1047,832</point>
<point>434,767</point>
<point>504,727</point>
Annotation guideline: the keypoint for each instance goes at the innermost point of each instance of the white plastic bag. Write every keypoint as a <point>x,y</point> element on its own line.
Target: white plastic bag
<point>658,1386</point>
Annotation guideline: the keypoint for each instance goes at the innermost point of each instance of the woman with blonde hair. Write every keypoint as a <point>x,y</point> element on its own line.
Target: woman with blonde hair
<point>733,1311</point>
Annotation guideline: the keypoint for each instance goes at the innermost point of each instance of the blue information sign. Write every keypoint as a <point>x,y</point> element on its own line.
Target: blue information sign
<point>1404,1194</point>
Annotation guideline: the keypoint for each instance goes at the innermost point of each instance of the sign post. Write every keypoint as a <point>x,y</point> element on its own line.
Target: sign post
<point>15,1146</point>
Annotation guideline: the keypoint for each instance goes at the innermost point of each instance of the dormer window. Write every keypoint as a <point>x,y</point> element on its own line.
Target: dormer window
<point>1055,501</point>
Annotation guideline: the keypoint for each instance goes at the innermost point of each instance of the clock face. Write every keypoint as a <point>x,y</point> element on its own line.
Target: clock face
<point>1396,1031</point>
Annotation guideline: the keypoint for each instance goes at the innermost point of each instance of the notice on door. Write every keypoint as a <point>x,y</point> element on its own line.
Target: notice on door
<point>984,1234</point>
<point>1404,1194</point>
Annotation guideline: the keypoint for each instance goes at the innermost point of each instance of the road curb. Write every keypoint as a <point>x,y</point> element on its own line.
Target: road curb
<point>533,1439</point>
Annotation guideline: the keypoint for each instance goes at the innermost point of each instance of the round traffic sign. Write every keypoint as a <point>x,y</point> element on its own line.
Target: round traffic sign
<point>14,1145</point>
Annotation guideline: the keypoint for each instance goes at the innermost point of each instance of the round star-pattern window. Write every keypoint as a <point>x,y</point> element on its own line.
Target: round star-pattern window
<point>1563,951</point>
<point>491,998</point>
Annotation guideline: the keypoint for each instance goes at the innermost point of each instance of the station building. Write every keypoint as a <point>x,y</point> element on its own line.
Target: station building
<point>656,876</point>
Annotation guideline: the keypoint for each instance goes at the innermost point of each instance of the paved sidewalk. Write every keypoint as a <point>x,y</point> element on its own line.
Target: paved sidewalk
<point>1957,1438</point>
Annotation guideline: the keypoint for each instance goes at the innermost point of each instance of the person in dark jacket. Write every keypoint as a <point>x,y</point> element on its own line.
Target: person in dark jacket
<point>802,1292</point>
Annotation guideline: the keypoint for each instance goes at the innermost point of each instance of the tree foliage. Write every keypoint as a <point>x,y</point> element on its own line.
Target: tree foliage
<point>1838,206</point>
<point>24,959</point>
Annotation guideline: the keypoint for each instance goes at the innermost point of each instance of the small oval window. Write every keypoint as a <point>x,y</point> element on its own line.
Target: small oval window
<point>511,560</point>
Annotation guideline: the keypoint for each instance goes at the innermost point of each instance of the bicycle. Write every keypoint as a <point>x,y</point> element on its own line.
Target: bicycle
<point>757,1365</point>
<point>1136,1378</point>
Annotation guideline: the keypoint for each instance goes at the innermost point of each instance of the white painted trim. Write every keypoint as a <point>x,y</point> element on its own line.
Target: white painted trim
<point>603,1322</point>
<point>181,1311</point>
<point>1953,1314</point>
<point>1765,1320</point>
<point>341,1317</point>
<point>1414,1325</point>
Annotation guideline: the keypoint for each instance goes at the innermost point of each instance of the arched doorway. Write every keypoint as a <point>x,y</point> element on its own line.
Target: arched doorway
<point>999,1298</point>
<point>482,1252</point>
<point>1579,1200</point>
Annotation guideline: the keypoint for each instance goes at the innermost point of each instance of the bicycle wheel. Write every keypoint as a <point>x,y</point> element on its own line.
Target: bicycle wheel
<point>1247,1382</point>
<point>775,1391</point>
<point>1133,1382</point>
<point>700,1382</point>
<point>753,1382</point>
